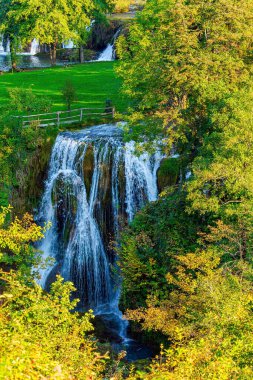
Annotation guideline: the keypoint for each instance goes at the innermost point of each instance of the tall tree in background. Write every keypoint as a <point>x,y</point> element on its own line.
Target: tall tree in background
<point>10,30</point>
<point>51,22</point>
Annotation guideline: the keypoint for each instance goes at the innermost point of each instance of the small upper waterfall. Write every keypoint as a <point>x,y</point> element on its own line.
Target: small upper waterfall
<point>95,182</point>
<point>5,47</point>
<point>35,47</point>
<point>1,45</point>
<point>108,54</point>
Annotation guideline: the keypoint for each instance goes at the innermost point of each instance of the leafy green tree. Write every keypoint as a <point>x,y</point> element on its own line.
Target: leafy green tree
<point>222,182</point>
<point>69,93</point>
<point>180,59</point>
<point>10,30</point>
<point>42,336</point>
<point>24,100</point>
<point>148,247</point>
<point>52,22</point>
<point>18,145</point>
<point>207,318</point>
<point>16,237</point>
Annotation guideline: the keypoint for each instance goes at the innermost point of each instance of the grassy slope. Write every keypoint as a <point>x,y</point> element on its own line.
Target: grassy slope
<point>94,82</point>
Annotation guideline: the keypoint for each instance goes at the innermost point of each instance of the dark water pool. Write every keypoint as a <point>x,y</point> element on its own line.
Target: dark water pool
<point>26,62</point>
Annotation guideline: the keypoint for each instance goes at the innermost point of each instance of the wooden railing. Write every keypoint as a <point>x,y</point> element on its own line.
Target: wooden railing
<point>65,117</point>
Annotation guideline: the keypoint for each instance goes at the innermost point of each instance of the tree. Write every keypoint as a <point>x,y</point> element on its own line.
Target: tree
<point>52,22</point>
<point>195,54</point>
<point>10,30</point>
<point>16,237</point>
<point>207,319</point>
<point>69,93</point>
<point>42,336</point>
<point>19,146</point>
<point>222,180</point>
<point>148,247</point>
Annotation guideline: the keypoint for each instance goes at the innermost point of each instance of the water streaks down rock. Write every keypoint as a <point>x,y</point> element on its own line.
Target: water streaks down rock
<point>95,182</point>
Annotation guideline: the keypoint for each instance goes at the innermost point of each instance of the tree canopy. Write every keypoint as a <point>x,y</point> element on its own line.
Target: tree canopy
<point>51,22</point>
<point>195,54</point>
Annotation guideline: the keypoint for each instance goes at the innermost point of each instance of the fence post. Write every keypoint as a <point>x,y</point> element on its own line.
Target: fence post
<point>108,106</point>
<point>81,114</point>
<point>58,118</point>
<point>113,112</point>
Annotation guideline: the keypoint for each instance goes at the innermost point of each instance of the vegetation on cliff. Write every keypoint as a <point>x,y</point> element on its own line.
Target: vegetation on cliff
<point>186,259</point>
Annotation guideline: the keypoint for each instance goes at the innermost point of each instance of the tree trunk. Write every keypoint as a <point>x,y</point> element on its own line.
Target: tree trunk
<point>52,49</point>
<point>13,55</point>
<point>81,54</point>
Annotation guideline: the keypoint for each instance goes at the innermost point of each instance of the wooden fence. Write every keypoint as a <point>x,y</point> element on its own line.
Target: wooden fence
<point>65,117</point>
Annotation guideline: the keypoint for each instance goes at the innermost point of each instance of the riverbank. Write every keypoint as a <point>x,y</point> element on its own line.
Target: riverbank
<point>94,83</point>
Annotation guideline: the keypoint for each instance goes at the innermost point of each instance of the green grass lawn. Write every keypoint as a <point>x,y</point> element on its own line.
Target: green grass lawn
<point>94,82</point>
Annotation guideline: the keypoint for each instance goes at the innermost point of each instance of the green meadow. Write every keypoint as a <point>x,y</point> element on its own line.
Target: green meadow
<point>94,83</point>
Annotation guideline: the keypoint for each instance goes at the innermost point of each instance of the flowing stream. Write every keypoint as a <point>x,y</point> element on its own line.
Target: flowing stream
<point>95,183</point>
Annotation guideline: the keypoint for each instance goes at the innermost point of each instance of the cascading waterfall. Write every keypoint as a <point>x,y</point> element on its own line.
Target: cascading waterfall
<point>108,54</point>
<point>95,182</point>
<point>1,44</point>
<point>35,47</point>
<point>5,47</point>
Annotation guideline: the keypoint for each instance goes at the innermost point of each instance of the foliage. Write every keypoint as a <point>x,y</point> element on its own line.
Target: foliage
<point>148,248</point>
<point>122,5</point>
<point>223,175</point>
<point>195,53</point>
<point>69,93</point>
<point>42,337</point>
<point>24,100</point>
<point>52,22</point>
<point>208,318</point>
<point>16,238</point>
<point>18,144</point>
<point>10,30</point>
<point>207,312</point>
<point>41,334</point>
<point>196,85</point>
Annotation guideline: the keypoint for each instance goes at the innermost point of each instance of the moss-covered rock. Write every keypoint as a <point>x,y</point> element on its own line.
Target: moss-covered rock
<point>31,175</point>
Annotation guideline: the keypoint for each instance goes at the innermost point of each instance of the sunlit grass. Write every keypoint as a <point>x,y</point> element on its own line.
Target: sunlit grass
<point>94,83</point>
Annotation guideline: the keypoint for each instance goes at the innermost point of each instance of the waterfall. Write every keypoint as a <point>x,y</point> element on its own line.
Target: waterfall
<point>34,47</point>
<point>1,44</point>
<point>4,45</point>
<point>68,45</point>
<point>95,181</point>
<point>108,54</point>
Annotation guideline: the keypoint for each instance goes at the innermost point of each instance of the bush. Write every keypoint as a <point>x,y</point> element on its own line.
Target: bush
<point>41,336</point>
<point>69,93</point>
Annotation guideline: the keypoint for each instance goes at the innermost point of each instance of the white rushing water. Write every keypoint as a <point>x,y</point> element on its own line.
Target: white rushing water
<point>95,181</point>
<point>5,47</point>
<point>108,54</point>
